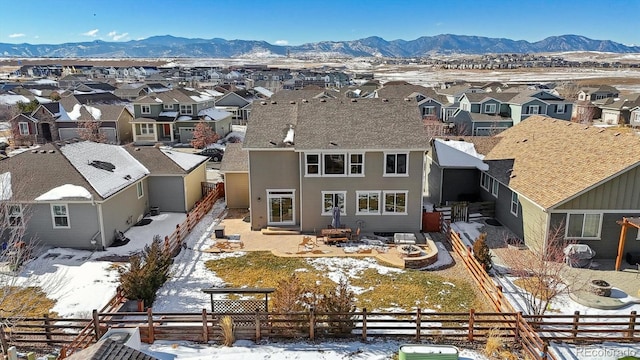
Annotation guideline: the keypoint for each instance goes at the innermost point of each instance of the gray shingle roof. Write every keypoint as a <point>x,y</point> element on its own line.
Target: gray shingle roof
<point>338,124</point>
<point>235,159</point>
<point>403,90</point>
<point>108,349</point>
<point>158,162</point>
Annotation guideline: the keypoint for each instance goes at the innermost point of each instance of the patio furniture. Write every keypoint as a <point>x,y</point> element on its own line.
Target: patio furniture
<point>319,237</point>
<point>404,238</point>
<point>306,243</point>
<point>336,235</point>
<point>578,255</point>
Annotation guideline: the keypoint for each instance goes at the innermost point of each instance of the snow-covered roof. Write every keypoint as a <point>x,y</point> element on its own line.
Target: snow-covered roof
<point>214,114</point>
<point>459,154</point>
<point>43,100</point>
<point>168,113</point>
<point>185,118</point>
<point>185,160</point>
<point>108,168</point>
<point>5,186</point>
<point>263,91</point>
<point>65,191</point>
<point>11,99</point>
<point>213,93</point>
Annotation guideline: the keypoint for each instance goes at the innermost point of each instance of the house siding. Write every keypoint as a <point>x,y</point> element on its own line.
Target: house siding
<point>193,185</point>
<point>272,170</point>
<point>607,246</point>
<point>123,210</point>
<point>167,193</point>
<point>236,192</point>
<point>437,108</point>
<point>433,183</point>
<point>568,109</point>
<point>533,224</point>
<point>621,192</point>
<point>525,108</point>
<point>156,109</point>
<point>312,188</point>
<point>83,219</point>
<point>462,185</point>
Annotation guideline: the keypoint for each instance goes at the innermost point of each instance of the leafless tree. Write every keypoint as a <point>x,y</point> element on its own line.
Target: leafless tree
<point>90,130</point>
<point>542,273</point>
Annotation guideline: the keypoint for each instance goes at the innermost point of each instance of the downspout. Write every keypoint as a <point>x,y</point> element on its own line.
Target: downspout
<point>101,225</point>
<point>300,186</point>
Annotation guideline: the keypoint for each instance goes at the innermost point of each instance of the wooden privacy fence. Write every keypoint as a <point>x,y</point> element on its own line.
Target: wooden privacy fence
<point>204,327</point>
<point>531,342</point>
<point>172,245</point>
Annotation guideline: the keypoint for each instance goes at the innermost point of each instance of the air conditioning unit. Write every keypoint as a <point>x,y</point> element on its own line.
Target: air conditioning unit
<point>125,336</point>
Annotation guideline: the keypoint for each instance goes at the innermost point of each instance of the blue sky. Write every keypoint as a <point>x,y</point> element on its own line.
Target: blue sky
<point>295,22</point>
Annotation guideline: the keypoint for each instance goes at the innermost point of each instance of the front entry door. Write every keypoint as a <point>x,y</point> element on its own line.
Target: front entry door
<point>281,207</point>
<point>46,132</point>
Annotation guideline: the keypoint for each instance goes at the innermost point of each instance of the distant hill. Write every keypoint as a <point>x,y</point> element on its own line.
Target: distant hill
<point>170,46</point>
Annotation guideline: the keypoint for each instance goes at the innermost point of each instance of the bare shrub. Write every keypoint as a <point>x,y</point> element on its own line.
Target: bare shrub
<point>228,335</point>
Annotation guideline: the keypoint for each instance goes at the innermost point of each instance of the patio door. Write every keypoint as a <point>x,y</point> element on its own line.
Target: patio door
<point>281,205</point>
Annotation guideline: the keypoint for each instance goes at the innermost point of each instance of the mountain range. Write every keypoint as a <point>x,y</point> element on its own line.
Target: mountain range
<point>170,46</point>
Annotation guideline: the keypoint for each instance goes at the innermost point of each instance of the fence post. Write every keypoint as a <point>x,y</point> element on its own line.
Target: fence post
<point>166,244</point>
<point>632,324</point>
<point>205,327</point>
<point>150,325</point>
<point>312,324</point>
<point>499,299</point>
<point>418,323</point>
<point>472,318</point>
<point>96,324</point>
<point>3,340</point>
<point>364,324</point>
<point>47,328</point>
<point>516,330</point>
<point>178,234</point>
<point>576,320</point>
<point>258,330</point>
<point>188,222</point>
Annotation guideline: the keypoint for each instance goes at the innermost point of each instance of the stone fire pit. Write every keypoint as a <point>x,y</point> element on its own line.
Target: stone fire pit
<point>600,288</point>
<point>409,250</point>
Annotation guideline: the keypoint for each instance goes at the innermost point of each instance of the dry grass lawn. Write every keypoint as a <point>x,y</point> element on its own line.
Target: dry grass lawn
<point>406,290</point>
<point>25,302</point>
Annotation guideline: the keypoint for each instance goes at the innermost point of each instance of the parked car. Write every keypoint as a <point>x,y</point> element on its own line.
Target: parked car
<point>214,154</point>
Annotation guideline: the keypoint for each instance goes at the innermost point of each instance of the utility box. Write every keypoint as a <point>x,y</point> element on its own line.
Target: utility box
<point>219,232</point>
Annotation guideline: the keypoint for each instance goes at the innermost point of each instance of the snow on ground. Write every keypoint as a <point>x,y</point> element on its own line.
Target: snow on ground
<point>374,350</point>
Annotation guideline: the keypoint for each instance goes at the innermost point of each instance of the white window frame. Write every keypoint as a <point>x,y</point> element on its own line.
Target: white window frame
<point>515,205</point>
<point>281,193</point>
<point>384,202</point>
<point>343,208</point>
<point>23,127</point>
<point>167,106</point>
<point>530,110</point>
<point>139,189</point>
<point>147,129</point>
<point>485,181</point>
<point>582,237</point>
<point>308,164</point>
<point>186,109</point>
<point>395,173</point>
<point>490,108</point>
<point>66,216</point>
<point>428,110</point>
<point>368,194</point>
<point>145,109</point>
<point>345,164</point>
<point>19,216</point>
<point>358,164</point>
<point>495,187</point>
<point>561,107</point>
<point>636,116</point>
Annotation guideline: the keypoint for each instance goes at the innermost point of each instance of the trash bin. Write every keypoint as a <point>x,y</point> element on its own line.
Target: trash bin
<point>154,210</point>
<point>219,231</point>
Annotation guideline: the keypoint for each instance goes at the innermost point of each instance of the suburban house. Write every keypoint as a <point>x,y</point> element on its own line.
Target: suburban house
<point>544,174</point>
<point>239,106</point>
<point>171,116</point>
<point>584,110</point>
<point>93,190</point>
<point>363,156</point>
<point>617,111</point>
<point>235,169</point>
<point>634,117</point>
<point>539,102</point>
<point>175,178</point>
<point>482,113</point>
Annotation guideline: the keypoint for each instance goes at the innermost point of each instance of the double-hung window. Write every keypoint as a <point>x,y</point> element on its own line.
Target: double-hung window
<point>489,108</point>
<point>396,164</point>
<point>60,216</point>
<point>428,111</point>
<point>186,109</point>
<point>560,108</point>
<point>14,215</point>
<point>368,202</point>
<point>167,106</point>
<point>356,164</point>
<point>584,225</point>
<point>495,185</point>
<point>313,164</point>
<point>145,129</point>
<point>145,109</point>
<point>485,181</point>
<point>332,199</point>
<point>514,203</point>
<point>395,202</point>
<point>533,109</point>
<point>24,128</point>
<point>139,189</point>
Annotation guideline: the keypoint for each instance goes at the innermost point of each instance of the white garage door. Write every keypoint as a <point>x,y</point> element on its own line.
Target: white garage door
<point>186,134</point>
<point>68,133</point>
